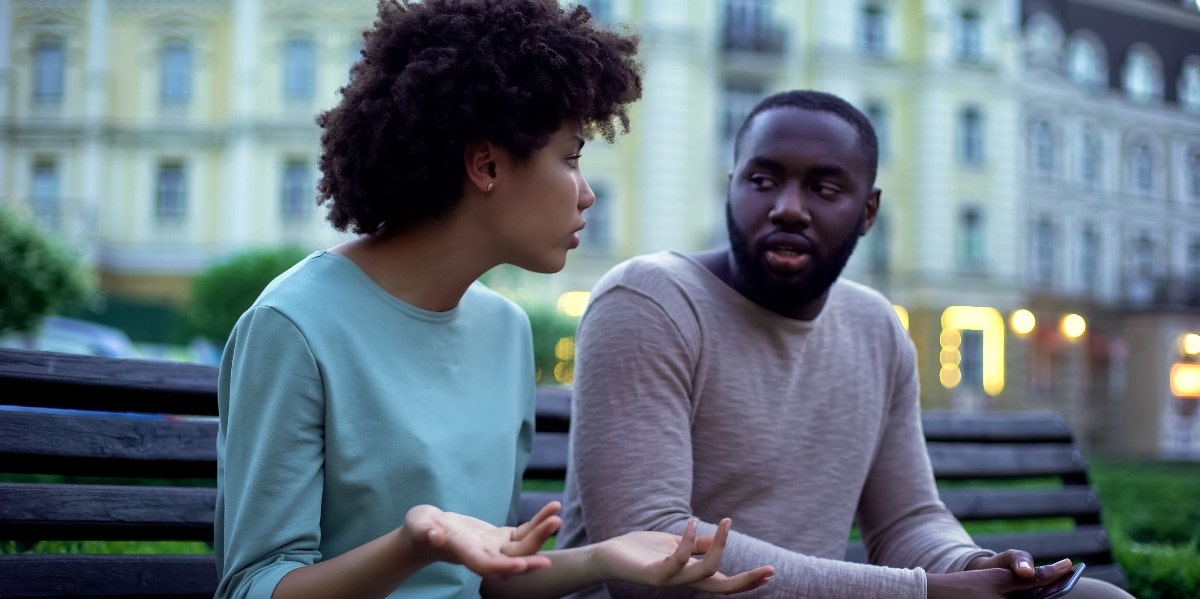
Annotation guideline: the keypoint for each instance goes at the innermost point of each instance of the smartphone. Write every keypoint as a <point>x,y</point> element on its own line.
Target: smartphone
<point>1058,588</point>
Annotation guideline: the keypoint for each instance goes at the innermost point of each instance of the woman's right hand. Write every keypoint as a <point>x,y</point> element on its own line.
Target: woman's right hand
<point>487,550</point>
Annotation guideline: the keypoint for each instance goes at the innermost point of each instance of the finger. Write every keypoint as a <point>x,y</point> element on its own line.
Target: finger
<point>1053,571</point>
<point>496,565</point>
<point>1022,564</point>
<point>534,539</point>
<point>686,547</point>
<point>715,545</point>
<point>548,510</point>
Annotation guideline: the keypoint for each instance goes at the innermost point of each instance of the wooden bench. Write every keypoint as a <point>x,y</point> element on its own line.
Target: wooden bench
<point>106,427</point>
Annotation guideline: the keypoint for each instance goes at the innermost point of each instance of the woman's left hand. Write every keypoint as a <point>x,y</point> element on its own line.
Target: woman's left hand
<point>662,559</point>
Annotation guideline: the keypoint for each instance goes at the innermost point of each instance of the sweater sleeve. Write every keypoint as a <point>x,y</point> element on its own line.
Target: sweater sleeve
<point>270,448</point>
<point>903,520</point>
<point>632,452</point>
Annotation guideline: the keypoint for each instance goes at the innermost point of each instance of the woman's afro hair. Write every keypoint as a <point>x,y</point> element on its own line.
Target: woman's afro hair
<point>437,75</point>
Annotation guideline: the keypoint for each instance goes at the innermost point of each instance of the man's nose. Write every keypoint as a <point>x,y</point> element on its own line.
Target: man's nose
<point>791,206</point>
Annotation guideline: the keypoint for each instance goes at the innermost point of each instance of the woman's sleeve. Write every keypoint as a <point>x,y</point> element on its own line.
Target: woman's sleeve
<point>270,455</point>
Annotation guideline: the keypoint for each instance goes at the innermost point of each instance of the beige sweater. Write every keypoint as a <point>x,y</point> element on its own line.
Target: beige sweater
<point>692,400</point>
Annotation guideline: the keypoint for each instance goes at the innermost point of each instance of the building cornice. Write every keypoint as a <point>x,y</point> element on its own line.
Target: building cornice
<point>1174,15</point>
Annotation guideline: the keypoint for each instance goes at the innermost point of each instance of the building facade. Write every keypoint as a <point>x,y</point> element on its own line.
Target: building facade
<point>1040,166</point>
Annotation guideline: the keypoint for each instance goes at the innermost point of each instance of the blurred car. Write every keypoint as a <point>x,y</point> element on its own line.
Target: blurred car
<point>74,336</point>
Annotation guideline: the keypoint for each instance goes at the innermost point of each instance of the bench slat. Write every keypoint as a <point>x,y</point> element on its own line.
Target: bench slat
<point>995,427</point>
<point>175,576</point>
<point>38,512</point>
<point>957,461</point>
<point>60,380</point>
<point>1077,501</point>
<point>53,443</point>
<point>548,460</point>
<point>1081,544</point>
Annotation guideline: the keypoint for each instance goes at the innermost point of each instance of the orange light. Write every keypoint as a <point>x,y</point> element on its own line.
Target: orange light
<point>1185,380</point>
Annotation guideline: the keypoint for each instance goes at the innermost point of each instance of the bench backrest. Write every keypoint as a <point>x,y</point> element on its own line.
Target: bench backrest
<point>128,445</point>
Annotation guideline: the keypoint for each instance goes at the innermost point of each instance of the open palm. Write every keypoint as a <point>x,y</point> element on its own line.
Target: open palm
<point>484,548</point>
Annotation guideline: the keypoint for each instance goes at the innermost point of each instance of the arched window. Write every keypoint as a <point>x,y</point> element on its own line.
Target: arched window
<point>1085,61</point>
<point>1189,84</point>
<point>1043,147</point>
<point>1043,40</point>
<point>1142,76</point>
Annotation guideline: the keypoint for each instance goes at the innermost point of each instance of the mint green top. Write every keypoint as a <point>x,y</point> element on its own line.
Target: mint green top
<point>341,407</point>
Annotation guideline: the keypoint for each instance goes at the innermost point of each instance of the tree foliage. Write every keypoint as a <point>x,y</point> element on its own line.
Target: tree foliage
<point>226,289</point>
<point>39,275</point>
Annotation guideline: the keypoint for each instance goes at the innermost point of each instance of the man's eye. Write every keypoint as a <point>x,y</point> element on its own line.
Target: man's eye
<point>761,182</point>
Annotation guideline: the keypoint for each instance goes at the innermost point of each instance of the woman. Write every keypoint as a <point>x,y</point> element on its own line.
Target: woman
<point>376,402</point>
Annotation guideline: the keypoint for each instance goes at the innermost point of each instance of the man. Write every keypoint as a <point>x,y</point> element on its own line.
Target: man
<point>753,381</point>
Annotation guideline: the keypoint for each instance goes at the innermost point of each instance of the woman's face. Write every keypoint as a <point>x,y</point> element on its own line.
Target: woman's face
<point>541,202</point>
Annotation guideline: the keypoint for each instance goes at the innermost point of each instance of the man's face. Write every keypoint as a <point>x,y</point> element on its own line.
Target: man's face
<point>800,195</point>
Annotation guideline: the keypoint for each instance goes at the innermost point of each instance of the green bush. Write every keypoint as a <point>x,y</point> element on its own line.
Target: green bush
<point>223,291</point>
<point>553,357</point>
<point>1153,516</point>
<point>39,275</point>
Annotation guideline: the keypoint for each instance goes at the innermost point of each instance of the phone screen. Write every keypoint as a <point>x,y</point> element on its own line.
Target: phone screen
<point>1058,588</point>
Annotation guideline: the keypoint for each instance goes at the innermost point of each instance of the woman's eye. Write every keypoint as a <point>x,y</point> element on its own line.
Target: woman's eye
<point>573,160</point>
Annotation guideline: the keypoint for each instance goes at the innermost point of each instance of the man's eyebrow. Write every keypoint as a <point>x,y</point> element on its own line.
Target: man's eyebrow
<point>825,170</point>
<point>762,162</point>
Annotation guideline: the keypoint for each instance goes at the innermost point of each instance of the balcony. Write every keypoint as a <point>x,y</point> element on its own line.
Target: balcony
<point>1161,292</point>
<point>747,27</point>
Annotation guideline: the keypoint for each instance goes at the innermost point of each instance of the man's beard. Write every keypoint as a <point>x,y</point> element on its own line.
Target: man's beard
<point>788,295</point>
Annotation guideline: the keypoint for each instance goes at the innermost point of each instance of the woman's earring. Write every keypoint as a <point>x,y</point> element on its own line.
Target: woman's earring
<point>491,184</point>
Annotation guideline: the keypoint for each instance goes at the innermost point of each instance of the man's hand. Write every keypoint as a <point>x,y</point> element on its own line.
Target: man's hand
<point>487,550</point>
<point>996,576</point>
<point>662,559</point>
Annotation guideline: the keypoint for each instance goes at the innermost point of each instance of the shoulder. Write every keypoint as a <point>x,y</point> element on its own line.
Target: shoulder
<point>654,275</point>
<point>489,303</point>
<point>867,308</point>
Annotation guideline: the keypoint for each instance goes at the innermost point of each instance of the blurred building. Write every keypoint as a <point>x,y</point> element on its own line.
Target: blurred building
<point>1036,155</point>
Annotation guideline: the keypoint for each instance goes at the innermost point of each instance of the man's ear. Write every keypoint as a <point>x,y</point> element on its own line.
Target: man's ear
<point>870,210</point>
<point>480,162</point>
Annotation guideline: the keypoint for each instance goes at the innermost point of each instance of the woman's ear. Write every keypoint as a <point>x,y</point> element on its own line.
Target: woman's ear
<point>480,162</point>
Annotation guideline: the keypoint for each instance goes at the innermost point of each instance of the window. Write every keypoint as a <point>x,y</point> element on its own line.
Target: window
<point>1189,84</point>
<point>46,193</point>
<point>1043,41</point>
<point>1194,172</point>
<point>970,131</point>
<point>1043,252</point>
<point>879,241</point>
<point>355,55</point>
<point>1085,63</point>
<point>737,100</point>
<point>1143,169</point>
<point>50,61</point>
<point>969,47</point>
<point>299,69</point>
<point>872,30</point>
<point>1043,147</point>
<point>602,10</point>
<point>1089,258</point>
<point>296,191</point>
<point>1193,262</point>
<point>748,24</point>
<point>176,73</point>
<point>597,235</point>
<point>971,354</point>
<point>877,113</point>
<point>1142,284</point>
<point>970,240</point>
<point>170,197</point>
<point>1141,77</point>
<point>1090,157</point>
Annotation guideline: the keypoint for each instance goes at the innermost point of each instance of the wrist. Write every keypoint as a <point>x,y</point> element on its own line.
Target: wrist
<point>410,550</point>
